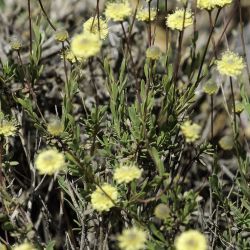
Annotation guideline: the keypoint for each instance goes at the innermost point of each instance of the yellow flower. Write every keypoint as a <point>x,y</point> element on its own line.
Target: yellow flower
<point>86,45</point>
<point>153,53</point>
<point>231,64</point>
<point>226,142</point>
<point>24,246</point>
<point>132,239</point>
<point>210,88</point>
<point>211,4</point>
<point>55,127</point>
<point>127,173</point>
<point>191,240</point>
<point>91,26</point>
<point>162,211</point>
<point>239,107</point>
<point>176,20</point>
<point>206,4</point>
<point>7,127</point>
<point>50,161</point>
<point>222,3</point>
<point>102,199</point>
<point>118,11</point>
<point>3,247</point>
<point>61,35</point>
<point>190,131</point>
<point>143,14</point>
<point>15,43</point>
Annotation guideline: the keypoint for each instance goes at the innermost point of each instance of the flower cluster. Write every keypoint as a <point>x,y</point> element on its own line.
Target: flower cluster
<point>132,239</point>
<point>191,240</point>
<point>211,4</point>
<point>104,197</point>
<point>143,14</point>
<point>190,131</point>
<point>7,127</point>
<point>230,64</point>
<point>127,173</point>
<point>92,25</point>
<point>50,161</point>
<point>118,11</point>
<point>24,246</point>
<point>176,20</point>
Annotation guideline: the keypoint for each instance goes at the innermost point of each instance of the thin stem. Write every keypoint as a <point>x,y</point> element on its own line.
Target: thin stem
<point>30,26</point>
<point>167,31</point>
<point>66,72</point>
<point>233,99</point>
<point>206,48</point>
<point>149,24</point>
<point>212,117</point>
<point>211,27</point>
<point>44,12</point>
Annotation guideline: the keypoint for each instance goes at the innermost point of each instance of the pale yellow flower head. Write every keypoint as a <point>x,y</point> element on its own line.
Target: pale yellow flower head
<point>7,127</point>
<point>210,88</point>
<point>176,20</point>
<point>191,240</point>
<point>86,45</point>
<point>61,35</point>
<point>211,4</point>
<point>127,173</point>
<point>102,199</point>
<point>91,26</point>
<point>222,3</point>
<point>55,127</point>
<point>230,64</point>
<point>50,161</point>
<point>24,246</point>
<point>132,239</point>
<point>143,14</point>
<point>226,142</point>
<point>162,211</point>
<point>206,4</point>
<point>153,52</point>
<point>15,43</point>
<point>190,131</point>
<point>118,11</point>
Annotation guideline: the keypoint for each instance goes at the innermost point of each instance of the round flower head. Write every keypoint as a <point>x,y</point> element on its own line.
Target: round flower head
<point>153,53</point>
<point>24,246</point>
<point>190,131</point>
<point>226,142</point>
<point>61,35</point>
<point>210,88</point>
<point>127,173</point>
<point>222,3</point>
<point>86,45</point>
<point>91,26</point>
<point>102,199</point>
<point>231,64</point>
<point>239,107</point>
<point>15,43</point>
<point>176,20</point>
<point>7,127</point>
<point>206,4</point>
<point>191,240</point>
<point>132,239</point>
<point>55,127</point>
<point>118,11</point>
<point>50,161</point>
<point>161,211</point>
<point>143,14</point>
